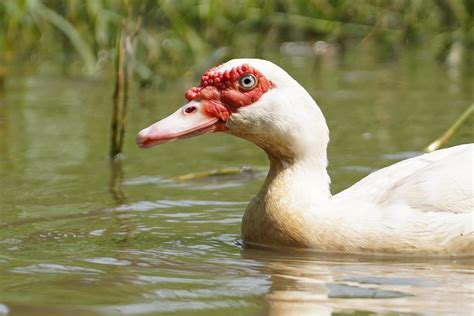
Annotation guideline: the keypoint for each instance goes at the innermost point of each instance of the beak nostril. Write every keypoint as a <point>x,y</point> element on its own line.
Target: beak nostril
<point>190,109</point>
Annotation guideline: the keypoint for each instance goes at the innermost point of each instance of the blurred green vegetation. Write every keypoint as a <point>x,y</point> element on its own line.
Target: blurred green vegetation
<point>184,37</point>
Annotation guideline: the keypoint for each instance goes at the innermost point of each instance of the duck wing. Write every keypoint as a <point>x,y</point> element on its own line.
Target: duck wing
<point>441,181</point>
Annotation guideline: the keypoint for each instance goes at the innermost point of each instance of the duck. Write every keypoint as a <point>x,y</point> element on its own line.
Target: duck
<point>419,206</point>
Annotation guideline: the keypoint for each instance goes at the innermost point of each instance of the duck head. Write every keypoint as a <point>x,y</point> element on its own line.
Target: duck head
<point>250,98</point>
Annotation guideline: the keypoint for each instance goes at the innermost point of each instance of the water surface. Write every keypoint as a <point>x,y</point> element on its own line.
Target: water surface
<point>155,245</point>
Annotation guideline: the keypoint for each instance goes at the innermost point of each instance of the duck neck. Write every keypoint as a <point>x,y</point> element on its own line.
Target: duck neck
<point>304,179</point>
<point>282,210</point>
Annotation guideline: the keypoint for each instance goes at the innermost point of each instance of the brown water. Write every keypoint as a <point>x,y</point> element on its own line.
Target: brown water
<point>69,246</point>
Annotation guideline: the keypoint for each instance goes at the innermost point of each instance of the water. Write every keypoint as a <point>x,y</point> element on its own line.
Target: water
<point>68,245</point>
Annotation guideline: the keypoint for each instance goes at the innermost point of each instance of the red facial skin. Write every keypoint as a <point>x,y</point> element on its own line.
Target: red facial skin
<point>219,95</point>
<point>220,92</point>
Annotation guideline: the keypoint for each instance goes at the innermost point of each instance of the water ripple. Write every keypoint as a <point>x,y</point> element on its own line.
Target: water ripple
<point>52,268</point>
<point>142,206</point>
<point>109,261</point>
<point>170,306</point>
<point>349,291</point>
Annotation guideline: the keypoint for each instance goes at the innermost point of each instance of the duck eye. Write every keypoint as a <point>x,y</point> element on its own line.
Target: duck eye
<point>248,81</point>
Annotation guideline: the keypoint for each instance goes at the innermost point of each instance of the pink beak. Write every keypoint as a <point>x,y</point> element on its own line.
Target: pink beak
<point>188,121</point>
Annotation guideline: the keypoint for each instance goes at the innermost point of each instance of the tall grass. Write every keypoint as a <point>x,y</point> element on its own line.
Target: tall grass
<point>180,37</point>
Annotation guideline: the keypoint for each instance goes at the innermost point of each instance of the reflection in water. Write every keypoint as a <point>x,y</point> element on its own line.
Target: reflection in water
<point>305,283</point>
<point>116,179</point>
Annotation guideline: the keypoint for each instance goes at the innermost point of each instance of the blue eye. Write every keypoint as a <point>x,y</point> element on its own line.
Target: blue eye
<point>248,81</point>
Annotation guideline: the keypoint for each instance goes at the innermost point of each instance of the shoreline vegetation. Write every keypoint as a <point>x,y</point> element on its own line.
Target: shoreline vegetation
<point>182,38</point>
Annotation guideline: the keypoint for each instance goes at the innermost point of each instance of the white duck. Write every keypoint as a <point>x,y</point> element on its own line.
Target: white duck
<point>423,205</point>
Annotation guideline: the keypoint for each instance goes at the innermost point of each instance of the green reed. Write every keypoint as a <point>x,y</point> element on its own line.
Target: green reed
<point>181,37</point>
<point>124,64</point>
<point>452,130</point>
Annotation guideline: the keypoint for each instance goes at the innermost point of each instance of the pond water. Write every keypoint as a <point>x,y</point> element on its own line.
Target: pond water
<point>154,245</point>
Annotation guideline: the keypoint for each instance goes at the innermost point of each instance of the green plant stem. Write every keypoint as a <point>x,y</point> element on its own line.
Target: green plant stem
<point>124,61</point>
<point>220,172</point>
<point>118,93</point>
<point>438,143</point>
